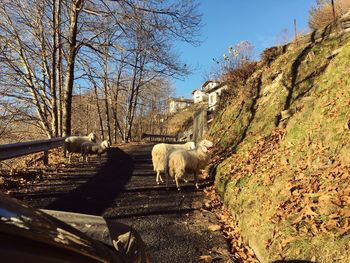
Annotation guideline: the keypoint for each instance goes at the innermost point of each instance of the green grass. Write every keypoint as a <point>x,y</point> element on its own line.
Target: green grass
<point>321,101</point>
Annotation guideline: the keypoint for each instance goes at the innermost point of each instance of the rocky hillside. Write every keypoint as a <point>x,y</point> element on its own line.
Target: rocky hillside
<point>282,163</point>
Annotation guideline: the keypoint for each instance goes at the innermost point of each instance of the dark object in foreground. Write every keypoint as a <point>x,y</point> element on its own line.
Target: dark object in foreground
<point>30,235</point>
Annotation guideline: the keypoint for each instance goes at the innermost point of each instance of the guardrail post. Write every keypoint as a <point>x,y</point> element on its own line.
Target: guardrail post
<point>46,157</point>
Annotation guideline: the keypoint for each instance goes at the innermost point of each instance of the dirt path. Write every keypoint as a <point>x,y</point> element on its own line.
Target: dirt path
<point>173,224</point>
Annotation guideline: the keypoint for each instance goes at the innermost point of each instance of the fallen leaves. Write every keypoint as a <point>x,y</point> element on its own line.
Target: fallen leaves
<point>230,228</point>
<point>314,201</point>
<point>262,159</point>
<point>318,202</point>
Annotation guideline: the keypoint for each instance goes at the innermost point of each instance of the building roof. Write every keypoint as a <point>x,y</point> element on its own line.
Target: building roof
<point>181,99</point>
<point>220,85</point>
<point>196,90</point>
<point>208,81</point>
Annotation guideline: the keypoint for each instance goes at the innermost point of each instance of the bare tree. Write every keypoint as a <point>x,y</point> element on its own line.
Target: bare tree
<point>152,108</point>
<point>323,13</point>
<point>26,74</point>
<point>44,41</point>
<point>140,54</point>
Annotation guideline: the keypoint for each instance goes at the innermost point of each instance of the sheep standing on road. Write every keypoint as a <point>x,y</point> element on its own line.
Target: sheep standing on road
<point>94,148</point>
<point>160,153</point>
<point>191,161</point>
<point>72,144</point>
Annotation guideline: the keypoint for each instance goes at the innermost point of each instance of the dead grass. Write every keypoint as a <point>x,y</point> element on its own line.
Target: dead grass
<point>181,121</point>
<point>19,172</point>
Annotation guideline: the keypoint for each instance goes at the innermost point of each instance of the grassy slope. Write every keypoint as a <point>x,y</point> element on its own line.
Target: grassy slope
<point>287,186</point>
<point>182,120</point>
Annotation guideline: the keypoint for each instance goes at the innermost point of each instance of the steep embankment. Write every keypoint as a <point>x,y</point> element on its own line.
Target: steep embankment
<point>283,145</point>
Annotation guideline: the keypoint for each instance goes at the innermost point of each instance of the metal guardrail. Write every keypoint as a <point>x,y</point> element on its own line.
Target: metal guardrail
<point>158,136</point>
<point>13,150</point>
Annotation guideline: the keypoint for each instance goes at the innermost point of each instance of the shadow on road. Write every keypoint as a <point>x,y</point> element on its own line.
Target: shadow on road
<point>95,196</point>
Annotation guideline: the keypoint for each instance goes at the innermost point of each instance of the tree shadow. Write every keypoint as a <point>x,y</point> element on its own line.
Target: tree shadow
<point>94,196</point>
<point>296,65</point>
<point>294,72</point>
<point>252,109</point>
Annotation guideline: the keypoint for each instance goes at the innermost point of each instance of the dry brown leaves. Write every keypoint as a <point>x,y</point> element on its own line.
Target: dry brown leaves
<point>229,226</point>
<point>317,195</point>
<point>263,156</point>
<point>318,202</point>
<point>20,172</point>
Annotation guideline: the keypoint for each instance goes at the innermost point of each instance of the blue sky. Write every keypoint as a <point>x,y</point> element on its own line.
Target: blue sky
<point>227,22</point>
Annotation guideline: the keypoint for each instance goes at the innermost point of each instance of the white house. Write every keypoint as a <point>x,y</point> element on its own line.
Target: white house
<point>209,84</point>
<point>176,104</point>
<point>198,96</point>
<point>213,89</point>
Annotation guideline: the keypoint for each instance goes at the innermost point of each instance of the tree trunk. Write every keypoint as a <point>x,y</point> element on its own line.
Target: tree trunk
<point>99,112</point>
<point>59,69</point>
<point>105,84</point>
<point>130,102</point>
<point>136,83</point>
<point>114,106</point>
<point>53,83</point>
<point>71,54</point>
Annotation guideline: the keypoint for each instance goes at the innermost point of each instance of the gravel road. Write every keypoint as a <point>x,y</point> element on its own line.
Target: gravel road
<point>172,223</point>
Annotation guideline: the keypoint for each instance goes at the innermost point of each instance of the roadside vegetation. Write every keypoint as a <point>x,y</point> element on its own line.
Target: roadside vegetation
<point>282,148</point>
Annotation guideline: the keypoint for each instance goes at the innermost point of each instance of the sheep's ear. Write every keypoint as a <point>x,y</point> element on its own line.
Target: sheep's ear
<point>208,143</point>
<point>204,149</point>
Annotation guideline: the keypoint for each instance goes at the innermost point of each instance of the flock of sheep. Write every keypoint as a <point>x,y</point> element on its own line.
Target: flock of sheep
<point>85,145</point>
<point>174,160</point>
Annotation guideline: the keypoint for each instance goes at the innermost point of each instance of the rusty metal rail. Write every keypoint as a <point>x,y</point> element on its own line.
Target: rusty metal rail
<point>13,150</point>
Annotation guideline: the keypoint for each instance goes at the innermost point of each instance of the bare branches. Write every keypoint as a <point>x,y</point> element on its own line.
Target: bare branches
<point>48,47</point>
<point>324,12</point>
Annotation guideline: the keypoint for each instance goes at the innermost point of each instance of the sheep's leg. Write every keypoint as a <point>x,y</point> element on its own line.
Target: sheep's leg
<point>168,171</point>
<point>158,177</point>
<point>195,175</point>
<point>177,176</point>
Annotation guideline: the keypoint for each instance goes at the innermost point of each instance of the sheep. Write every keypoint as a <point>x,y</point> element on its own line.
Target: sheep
<point>72,144</point>
<point>160,152</point>
<point>94,148</point>
<point>181,161</point>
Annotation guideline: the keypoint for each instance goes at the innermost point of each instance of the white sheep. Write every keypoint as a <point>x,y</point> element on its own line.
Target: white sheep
<point>94,148</point>
<point>72,144</point>
<point>191,161</point>
<point>160,153</point>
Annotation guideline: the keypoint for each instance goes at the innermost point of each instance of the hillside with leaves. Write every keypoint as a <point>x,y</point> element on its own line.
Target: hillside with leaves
<point>282,159</point>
